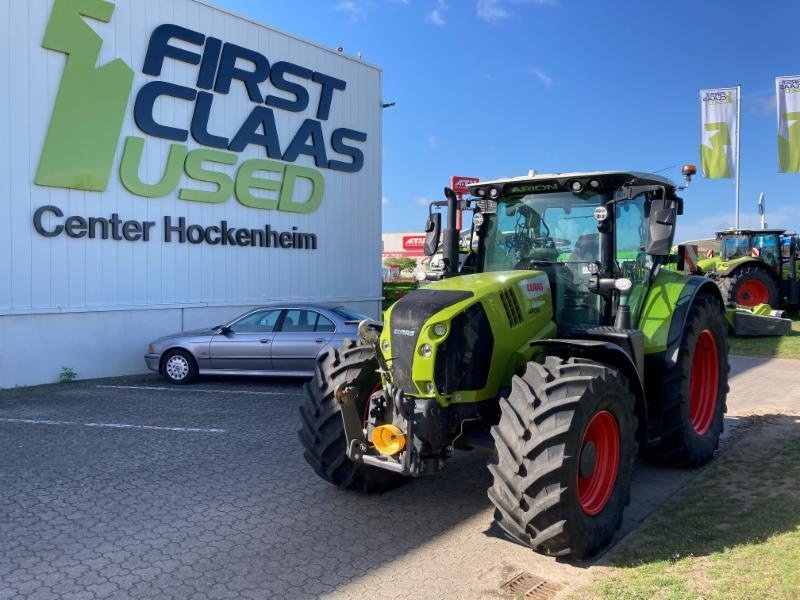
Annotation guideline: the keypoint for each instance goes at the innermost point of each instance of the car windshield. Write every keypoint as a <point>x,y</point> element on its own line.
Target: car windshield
<point>349,315</point>
<point>551,228</point>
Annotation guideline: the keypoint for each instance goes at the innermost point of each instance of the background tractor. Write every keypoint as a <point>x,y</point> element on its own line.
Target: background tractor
<point>756,266</point>
<point>560,344</point>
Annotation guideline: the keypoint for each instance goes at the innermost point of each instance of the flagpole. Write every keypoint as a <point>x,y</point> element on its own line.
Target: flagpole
<point>738,145</point>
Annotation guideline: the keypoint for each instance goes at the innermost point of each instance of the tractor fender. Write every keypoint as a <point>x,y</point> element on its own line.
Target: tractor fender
<point>694,285</point>
<point>730,269</point>
<point>606,353</point>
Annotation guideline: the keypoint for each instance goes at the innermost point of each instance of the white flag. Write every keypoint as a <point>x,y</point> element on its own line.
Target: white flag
<point>787,92</point>
<point>720,132</point>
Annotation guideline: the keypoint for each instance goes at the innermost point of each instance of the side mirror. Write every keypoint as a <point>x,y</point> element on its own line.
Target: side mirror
<point>433,231</point>
<point>662,227</point>
<point>224,330</point>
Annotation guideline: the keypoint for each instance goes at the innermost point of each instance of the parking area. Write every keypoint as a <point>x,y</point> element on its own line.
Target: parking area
<point>133,488</point>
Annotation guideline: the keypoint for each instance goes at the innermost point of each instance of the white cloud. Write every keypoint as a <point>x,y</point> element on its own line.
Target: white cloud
<point>546,80</point>
<point>762,103</point>
<point>357,9</point>
<point>494,11</point>
<point>423,201</point>
<point>433,142</point>
<point>436,16</point>
<point>384,201</point>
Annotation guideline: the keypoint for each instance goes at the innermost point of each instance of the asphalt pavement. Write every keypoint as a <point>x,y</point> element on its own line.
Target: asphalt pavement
<point>133,488</point>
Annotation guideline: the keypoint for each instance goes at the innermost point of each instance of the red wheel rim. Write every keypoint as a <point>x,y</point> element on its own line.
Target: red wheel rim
<point>602,437</point>
<point>704,382</point>
<point>752,292</point>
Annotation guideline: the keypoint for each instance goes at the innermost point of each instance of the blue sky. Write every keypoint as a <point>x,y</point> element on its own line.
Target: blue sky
<point>493,88</point>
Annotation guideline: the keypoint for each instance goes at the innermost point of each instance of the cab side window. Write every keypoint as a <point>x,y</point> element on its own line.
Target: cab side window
<point>262,321</point>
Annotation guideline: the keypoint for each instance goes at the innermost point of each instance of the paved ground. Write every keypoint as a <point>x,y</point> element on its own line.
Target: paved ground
<point>134,489</point>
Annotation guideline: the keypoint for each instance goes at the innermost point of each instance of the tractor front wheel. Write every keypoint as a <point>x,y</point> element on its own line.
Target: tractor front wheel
<point>749,286</point>
<point>695,389</point>
<point>566,444</point>
<point>322,432</point>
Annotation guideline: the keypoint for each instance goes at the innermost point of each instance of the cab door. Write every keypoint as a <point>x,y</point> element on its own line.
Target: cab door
<point>247,346</point>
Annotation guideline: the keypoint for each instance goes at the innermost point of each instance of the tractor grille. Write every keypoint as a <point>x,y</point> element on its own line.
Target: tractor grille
<point>409,315</point>
<point>511,305</point>
<point>464,358</point>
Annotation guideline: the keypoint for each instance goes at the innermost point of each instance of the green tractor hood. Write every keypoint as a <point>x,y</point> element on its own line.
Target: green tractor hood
<point>459,340</point>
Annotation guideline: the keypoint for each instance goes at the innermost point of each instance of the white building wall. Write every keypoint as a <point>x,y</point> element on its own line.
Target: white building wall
<point>93,304</point>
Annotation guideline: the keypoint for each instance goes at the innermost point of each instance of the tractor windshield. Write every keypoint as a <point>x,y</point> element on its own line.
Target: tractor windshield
<point>734,246</point>
<point>556,233</point>
<point>549,228</point>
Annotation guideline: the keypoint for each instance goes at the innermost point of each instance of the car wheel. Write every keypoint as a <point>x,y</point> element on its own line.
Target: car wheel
<point>179,367</point>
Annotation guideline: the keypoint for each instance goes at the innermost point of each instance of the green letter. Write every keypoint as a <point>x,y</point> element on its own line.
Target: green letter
<point>195,170</point>
<point>129,169</point>
<point>245,181</point>
<point>79,149</point>
<point>287,201</point>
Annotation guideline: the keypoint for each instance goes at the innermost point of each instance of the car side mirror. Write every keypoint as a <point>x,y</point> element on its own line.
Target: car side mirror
<point>433,231</point>
<point>225,330</point>
<point>662,227</point>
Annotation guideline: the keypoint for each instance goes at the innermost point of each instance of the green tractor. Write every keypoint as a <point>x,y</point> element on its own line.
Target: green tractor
<point>756,266</point>
<point>560,344</point>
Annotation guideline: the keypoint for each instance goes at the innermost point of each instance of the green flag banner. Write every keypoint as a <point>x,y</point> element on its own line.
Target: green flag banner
<point>787,92</point>
<point>719,131</point>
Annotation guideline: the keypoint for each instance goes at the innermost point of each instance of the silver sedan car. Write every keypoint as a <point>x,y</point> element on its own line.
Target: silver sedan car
<point>270,340</point>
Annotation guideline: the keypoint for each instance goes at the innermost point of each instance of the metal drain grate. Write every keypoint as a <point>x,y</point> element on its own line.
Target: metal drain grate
<point>526,585</point>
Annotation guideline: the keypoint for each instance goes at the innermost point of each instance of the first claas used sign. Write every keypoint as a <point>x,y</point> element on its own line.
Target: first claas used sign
<point>459,184</point>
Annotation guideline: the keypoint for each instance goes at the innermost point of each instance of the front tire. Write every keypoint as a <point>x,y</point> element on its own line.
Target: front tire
<point>749,286</point>
<point>179,367</point>
<point>695,389</point>
<point>322,431</point>
<point>565,449</point>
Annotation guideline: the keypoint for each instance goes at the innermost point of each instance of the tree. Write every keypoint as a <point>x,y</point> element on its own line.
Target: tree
<point>403,263</point>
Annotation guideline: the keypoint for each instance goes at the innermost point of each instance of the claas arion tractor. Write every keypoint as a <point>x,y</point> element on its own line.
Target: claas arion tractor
<point>560,344</point>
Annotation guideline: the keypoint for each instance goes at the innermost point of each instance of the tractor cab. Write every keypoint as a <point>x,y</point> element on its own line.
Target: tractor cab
<point>757,266</point>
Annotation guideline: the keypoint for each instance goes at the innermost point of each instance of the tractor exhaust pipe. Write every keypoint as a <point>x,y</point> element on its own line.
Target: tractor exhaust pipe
<point>450,235</point>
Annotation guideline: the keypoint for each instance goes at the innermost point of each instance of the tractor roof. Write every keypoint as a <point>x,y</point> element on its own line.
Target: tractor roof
<point>630,177</point>
<point>734,231</point>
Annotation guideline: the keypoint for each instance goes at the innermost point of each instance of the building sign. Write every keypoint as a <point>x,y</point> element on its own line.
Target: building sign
<point>414,244</point>
<point>459,184</point>
<point>91,104</point>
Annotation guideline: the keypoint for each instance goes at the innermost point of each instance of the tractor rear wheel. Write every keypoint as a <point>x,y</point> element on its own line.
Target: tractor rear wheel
<point>695,389</point>
<point>749,286</point>
<point>322,432</point>
<point>565,448</point>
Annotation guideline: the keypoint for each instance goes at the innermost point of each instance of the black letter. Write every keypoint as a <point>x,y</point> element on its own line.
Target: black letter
<point>115,222</point>
<point>37,221</point>
<point>276,77</point>
<point>202,112</point>
<point>339,146</point>
<point>208,68</point>
<point>159,47</point>
<point>228,71</point>
<point>326,93</point>
<point>143,109</point>
<point>286,240</point>
<point>180,229</point>
<point>75,227</point>
<point>260,117</point>
<point>316,149</point>
<point>195,234</point>
<point>209,240</point>
<point>132,231</point>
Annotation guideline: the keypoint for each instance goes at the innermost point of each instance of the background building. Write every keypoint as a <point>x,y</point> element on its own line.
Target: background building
<point>207,165</point>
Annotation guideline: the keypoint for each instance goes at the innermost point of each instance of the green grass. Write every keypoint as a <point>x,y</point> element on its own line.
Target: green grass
<point>780,347</point>
<point>394,290</point>
<point>734,533</point>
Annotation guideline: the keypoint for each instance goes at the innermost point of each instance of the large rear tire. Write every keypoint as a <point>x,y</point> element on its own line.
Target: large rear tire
<point>565,449</point>
<point>322,430</point>
<point>695,389</point>
<point>748,286</point>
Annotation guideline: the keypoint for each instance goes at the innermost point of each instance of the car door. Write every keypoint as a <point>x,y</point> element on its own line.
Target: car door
<point>247,345</point>
<point>302,335</point>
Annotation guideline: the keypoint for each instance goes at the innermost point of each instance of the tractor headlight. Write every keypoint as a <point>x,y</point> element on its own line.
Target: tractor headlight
<point>385,345</point>
<point>426,351</point>
<point>439,329</point>
<point>429,387</point>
